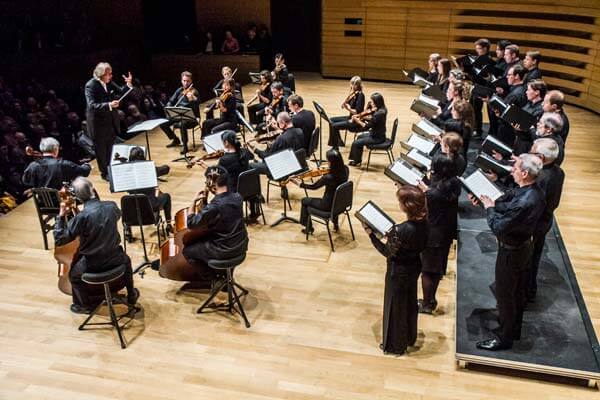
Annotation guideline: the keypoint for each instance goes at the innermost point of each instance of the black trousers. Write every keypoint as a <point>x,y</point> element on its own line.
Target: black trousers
<point>338,124</point>
<point>512,267</point>
<point>253,111</point>
<point>103,146</point>
<point>216,125</point>
<point>400,311</point>
<point>260,167</point>
<point>493,129</point>
<point>356,151</point>
<point>183,127</point>
<point>313,202</point>
<point>162,202</point>
<point>89,295</point>
<point>477,104</point>
<point>539,240</point>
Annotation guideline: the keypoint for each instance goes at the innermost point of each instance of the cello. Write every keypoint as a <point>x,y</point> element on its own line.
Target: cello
<point>66,253</point>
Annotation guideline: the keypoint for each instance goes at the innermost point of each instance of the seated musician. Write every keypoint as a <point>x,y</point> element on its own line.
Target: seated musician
<point>50,171</point>
<point>227,104</point>
<point>158,199</point>
<point>184,96</point>
<point>354,104</point>
<point>227,73</point>
<point>301,118</point>
<point>226,235</point>
<point>338,174</point>
<point>277,105</point>
<point>531,62</point>
<point>374,123</point>
<point>553,103</point>
<point>263,95</point>
<point>290,138</point>
<point>99,248</point>
<point>280,72</point>
<point>432,63</point>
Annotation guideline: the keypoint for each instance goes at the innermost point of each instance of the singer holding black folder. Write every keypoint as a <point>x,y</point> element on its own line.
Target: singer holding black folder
<point>403,247</point>
<point>101,112</point>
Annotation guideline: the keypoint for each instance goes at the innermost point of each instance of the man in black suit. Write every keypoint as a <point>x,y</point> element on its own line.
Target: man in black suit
<point>101,113</point>
<point>185,96</point>
<point>303,119</point>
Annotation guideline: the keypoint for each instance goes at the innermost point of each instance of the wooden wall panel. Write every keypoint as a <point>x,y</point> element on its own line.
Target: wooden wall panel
<point>401,34</point>
<point>213,15</point>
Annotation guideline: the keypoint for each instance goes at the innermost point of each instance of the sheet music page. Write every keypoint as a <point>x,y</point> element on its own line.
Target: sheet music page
<point>431,101</point>
<point>147,125</point>
<point>376,219</point>
<point>420,143</point>
<point>480,185</point>
<point>406,173</point>
<point>123,150</point>
<point>419,157</point>
<point>429,127</point>
<point>132,176</point>
<point>213,142</point>
<point>282,164</point>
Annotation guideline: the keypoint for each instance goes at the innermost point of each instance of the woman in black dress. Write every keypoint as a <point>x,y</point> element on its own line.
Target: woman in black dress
<point>452,146</point>
<point>354,104</point>
<point>374,123</point>
<point>337,175</point>
<point>403,247</point>
<point>442,206</point>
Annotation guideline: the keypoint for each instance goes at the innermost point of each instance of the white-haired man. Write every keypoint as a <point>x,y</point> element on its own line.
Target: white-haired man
<point>101,112</point>
<point>51,171</point>
<point>512,219</point>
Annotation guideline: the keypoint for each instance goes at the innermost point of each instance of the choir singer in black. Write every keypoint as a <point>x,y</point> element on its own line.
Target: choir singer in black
<point>403,247</point>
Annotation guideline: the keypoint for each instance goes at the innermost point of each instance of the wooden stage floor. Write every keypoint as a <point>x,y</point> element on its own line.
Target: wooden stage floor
<point>316,315</point>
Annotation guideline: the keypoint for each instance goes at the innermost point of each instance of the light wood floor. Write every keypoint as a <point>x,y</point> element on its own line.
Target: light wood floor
<point>316,315</point>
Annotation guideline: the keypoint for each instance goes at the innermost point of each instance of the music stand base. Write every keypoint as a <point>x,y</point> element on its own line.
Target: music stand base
<point>141,269</point>
<point>283,218</point>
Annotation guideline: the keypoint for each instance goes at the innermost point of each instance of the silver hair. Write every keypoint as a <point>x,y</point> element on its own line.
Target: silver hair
<point>552,121</point>
<point>547,147</point>
<point>284,117</point>
<point>100,69</point>
<point>49,145</point>
<point>83,188</point>
<point>531,164</point>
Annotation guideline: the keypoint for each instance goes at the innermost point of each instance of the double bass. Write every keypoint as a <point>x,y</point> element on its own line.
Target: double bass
<point>171,256</point>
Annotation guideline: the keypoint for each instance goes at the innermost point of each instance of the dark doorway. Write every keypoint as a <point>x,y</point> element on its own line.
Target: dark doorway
<point>296,31</point>
<point>169,26</point>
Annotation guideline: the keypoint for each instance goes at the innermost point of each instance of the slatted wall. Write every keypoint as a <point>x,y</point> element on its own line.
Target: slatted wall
<point>401,34</point>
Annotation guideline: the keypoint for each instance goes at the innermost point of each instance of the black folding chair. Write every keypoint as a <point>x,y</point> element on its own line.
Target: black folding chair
<point>385,146</point>
<point>248,187</point>
<point>47,204</point>
<point>146,216</point>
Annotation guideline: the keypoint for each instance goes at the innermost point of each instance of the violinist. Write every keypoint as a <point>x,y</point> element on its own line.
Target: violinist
<point>227,73</point>
<point>226,103</point>
<point>277,105</point>
<point>234,159</point>
<point>50,171</point>
<point>338,174</point>
<point>373,119</point>
<point>263,95</point>
<point>184,96</point>
<point>99,248</point>
<point>280,72</point>
<point>354,104</point>
<point>226,235</point>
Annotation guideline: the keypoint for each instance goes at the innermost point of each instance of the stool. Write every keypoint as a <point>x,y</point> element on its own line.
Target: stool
<point>229,282</point>
<point>105,278</point>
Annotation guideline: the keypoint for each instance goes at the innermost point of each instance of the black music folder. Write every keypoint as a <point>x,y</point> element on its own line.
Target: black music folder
<point>435,92</point>
<point>515,115</point>
<point>464,61</point>
<point>416,72</point>
<point>489,163</point>
<point>481,91</point>
<point>499,82</point>
<point>493,144</point>
<point>375,218</point>
<point>497,104</point>
<point>478,184</point>
<point>425,105</point>
<point>402,172</point>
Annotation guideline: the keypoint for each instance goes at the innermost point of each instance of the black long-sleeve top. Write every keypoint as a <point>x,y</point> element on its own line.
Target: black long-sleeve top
<point>532,74</point>
<point>404,245</point>
<point>96,227</point>
<point>550,180</point>
<point>516,95</point>
<point>52,173</point>
<point>331,182</point>
<point>376,125</point>
<point>235,165</point>
<point>305,120</point>
<point>516,213</point>
<point>229,114</point>
<point>566,126</point>
<point>442,208</point>
<point>357,103</point>
<point>185,102</point>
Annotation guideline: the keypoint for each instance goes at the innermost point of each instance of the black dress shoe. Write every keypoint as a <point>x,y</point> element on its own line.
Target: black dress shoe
<point>310,230</point>
<point>394,353</point>
<point>77,309</point>
<point>174,143</point>
<point>493,344</point>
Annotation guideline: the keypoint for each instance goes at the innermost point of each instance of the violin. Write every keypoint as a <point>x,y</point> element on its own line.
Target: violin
<point>222,99</point>
<point>199,160</point>
<point>369,110</point>
<point>349,97</point>
<point>313,173</point>
<point>33,153</point>
<point>184,93</point>
<point>66,254</point>
<point>263,87</point>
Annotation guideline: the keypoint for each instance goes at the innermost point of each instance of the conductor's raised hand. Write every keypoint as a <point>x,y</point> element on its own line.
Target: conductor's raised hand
<point>128,79</point>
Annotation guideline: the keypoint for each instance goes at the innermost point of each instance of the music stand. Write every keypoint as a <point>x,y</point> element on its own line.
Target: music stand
<point>322,116</point>
<point>245,125</point>
<point>282,165</point>
<point>146,126</point>
<point>126,177</point>
<point>254,77</point>
<point>181,114</point>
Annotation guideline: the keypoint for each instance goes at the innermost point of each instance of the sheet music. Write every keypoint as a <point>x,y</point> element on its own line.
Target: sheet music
<point>429,127</point>
<point>213,142</point>
<point>132,176</point>
<point>480,185</point>
<point>405,172</point>
<point>429,100</point>
<point>378,221</point>
<point>283,164</point>
<point>419,142</point>
<point>123,150</point>
<point>147,125</point>
<point>498,143</point>
<point>420,158</point>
